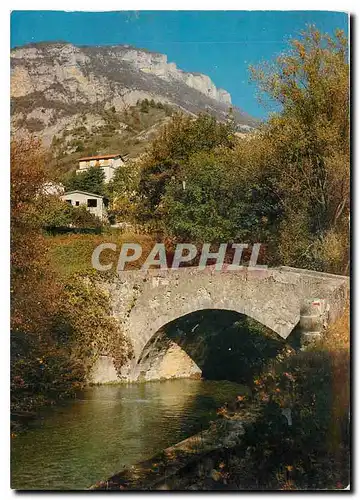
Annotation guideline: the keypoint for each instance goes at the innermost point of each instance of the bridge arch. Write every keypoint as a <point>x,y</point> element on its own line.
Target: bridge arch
<point>278,298</point>
<point>216,344</point>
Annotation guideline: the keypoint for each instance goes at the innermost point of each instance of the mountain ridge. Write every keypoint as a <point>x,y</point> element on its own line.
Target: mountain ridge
<point>53,83</point>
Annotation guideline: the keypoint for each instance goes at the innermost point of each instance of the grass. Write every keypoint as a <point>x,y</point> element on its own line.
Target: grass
<point>71,253</point>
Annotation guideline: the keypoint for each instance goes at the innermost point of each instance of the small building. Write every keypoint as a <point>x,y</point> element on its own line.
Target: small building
<point>108,163</point>
<point>94,203</point>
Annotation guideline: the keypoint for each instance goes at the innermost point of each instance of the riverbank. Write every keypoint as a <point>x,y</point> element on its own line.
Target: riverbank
<point>184,465</point>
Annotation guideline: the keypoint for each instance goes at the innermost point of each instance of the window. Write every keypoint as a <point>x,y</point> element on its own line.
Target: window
<point>77,203</point>
<point>92,202</point>
<point>69,201</point>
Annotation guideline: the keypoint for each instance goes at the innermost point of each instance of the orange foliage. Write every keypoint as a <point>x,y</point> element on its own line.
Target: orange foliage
<point>33,291</point>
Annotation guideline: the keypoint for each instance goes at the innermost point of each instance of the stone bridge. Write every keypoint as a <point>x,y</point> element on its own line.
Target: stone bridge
<point>279,298</point>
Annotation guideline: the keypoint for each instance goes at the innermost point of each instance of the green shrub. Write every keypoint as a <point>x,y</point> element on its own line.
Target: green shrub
<point>55,213</point>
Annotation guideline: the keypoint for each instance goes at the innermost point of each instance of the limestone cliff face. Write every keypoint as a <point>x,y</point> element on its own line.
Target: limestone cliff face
<point>157,64</point>
<point>53,83</point>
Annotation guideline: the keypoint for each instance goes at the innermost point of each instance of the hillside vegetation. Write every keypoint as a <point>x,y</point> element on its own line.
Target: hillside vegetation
<point>127,132</point>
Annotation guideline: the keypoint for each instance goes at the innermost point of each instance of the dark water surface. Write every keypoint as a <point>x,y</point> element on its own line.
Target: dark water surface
<point>74,445</point>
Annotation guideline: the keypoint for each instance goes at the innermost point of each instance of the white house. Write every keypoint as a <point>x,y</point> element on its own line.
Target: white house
<point>93,202</point>
<point>108,163</point>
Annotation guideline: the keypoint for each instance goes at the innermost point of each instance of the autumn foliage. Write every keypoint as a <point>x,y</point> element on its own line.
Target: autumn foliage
<point>286,184</point>
<point>59,325</point>
<point>33,289</point>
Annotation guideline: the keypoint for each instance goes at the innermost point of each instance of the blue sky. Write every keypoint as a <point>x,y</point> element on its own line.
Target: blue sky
<point>220,44</point>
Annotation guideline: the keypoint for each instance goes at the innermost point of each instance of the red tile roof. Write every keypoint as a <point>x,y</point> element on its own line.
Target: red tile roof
<point>100,157</point>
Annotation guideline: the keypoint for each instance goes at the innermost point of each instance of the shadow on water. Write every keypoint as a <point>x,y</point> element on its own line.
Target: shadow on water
<point>225,345</point>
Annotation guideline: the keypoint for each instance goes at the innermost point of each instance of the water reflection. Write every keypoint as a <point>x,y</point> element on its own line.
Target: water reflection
<point>110,427</point>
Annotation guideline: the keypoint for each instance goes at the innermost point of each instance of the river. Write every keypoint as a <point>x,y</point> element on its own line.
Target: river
<point>75,444</point>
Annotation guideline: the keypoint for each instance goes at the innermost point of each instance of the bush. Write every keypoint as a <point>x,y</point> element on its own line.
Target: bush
<point>85,324</point>
<point>313,389</point>
<point>41,372</point>
<point>56,214</point>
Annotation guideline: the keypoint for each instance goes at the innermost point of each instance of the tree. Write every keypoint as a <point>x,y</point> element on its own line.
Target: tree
<point>197,208</point>
<point>169,152</point>
<point>43,365</point>
<point>54,212</point>
<point>225,197</point>
<point>144,106</point>
<point>123,192</point>
<point>91,180</point>
<point>38,365</point>
<point>307,148</point>
<point>32,296</point>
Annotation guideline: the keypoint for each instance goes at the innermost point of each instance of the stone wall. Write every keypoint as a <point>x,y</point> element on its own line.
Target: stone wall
<point>144,302</point>
<point>162,358</point>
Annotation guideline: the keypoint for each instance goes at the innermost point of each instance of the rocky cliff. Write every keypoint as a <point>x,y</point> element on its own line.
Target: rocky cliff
<point>52,84</point>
